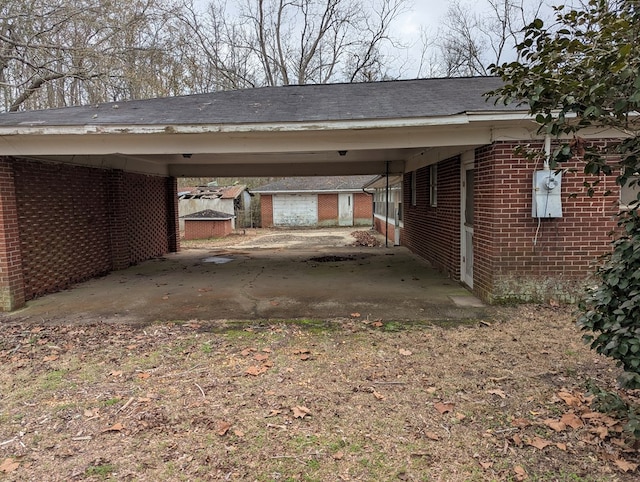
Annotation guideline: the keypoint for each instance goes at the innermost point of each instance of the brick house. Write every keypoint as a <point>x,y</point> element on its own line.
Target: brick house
<point>315,201</point>
<point>90,189</point>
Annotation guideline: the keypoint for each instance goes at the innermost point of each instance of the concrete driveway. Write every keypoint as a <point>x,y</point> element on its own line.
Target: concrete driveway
<point>315,274</point>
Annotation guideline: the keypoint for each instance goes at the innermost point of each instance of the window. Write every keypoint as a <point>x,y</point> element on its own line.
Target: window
<point>433,185</point>
<point>629,192</point>
<point>413,188</point>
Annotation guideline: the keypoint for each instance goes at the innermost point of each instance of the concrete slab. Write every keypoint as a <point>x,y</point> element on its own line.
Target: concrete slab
<point>311,274</point>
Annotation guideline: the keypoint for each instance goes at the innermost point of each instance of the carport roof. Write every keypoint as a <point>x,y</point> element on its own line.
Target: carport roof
<point>293,103</point>
<point>300,130</point>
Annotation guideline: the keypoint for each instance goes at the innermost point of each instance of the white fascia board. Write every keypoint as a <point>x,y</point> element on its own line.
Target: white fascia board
<point>234,128</point>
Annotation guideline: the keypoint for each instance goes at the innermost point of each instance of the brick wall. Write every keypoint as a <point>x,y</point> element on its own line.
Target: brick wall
<point>362,209</point>
<point>147,216</point>
<point>266,210</point>
<point>328,209</point>
<point>76,222</point>
<point>203,229</point>
<point>11,279</point>
<point>63,214</point>
<point>434,232</point>
<point>510,263</point>
<point>390,231</point>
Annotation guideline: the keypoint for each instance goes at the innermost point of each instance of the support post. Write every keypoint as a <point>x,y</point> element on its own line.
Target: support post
<point>11,277</point>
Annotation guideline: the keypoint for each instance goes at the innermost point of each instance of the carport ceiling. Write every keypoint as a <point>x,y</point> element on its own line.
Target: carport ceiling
<point>337,129</point>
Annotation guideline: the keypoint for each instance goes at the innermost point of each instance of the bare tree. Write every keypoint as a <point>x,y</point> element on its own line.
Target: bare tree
<point>61,52</point>
<point>279,42</point>
<point>470,40</point>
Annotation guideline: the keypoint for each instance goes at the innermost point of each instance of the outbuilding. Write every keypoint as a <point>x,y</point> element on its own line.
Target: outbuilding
<point>316,202</point>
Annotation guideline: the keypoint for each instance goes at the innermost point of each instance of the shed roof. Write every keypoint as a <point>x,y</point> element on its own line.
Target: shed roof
<point>316,184</point>
<point>207,215</point>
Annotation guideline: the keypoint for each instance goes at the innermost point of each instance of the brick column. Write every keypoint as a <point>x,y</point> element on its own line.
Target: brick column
<point>11,278</point>
<point>173,226</point>
<point>118,222</point>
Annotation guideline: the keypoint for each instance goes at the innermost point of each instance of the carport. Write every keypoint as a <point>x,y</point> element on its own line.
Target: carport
<point>116,164</point>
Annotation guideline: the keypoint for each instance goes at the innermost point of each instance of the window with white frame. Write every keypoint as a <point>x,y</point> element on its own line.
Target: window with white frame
<point>433,185</point>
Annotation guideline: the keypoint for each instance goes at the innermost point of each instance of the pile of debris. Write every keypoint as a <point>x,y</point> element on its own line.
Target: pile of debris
<point>365,238</point>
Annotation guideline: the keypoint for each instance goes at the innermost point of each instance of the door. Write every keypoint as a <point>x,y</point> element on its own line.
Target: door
<point>466,241</point>
<point>295,210</point>
<point>345,209</point>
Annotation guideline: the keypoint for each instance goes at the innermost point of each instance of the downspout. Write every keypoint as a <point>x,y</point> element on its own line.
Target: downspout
<point>373,211</point>
<point>386,211</point>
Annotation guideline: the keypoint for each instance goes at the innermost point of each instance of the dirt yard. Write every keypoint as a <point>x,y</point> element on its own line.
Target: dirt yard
<point>341,399</point>
<point>353,397</point>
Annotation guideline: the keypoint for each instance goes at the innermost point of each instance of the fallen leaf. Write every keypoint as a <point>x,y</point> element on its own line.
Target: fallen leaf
<point>116,373</point>
<point>570,399</point>
<point>247,351</point>
<point>50,358</point>
<point>144,375</point>
<point>165,297</point>
<point>274,303</point>
<point>338,455</point>
<point>460,416</point>
<point>222,428</point>
<point>238,433</point>
<point>273,413</point>
<point>300,411</point>
<point>625,466</point>
<point>485,465</point>
<point>443,407</point>
<point>377,324</point>
<point>562,446</point>
<point>91,412</point>
<point>305,356</point>
<point>539,443</point>
<point>431,390</point>
<point>520,422</point>
<point>517,440</point>
<point>571,420</point>
<point>355,315</point>
<point>405,352</point>
<point>602,432</point>
<point>521,474</point>
<point>267,350</point>
<point>432,436</point>
<point>498,392</point>
<point>556,425</point>
<point>260,357</point>
<point>255,370</point>
<point>116,427</point>
<point>9,465</point>
<point>378,395</point>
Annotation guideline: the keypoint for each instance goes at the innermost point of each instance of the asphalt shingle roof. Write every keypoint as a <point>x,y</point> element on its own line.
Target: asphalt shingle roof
<point>318,183</point>
<point>294,103</point>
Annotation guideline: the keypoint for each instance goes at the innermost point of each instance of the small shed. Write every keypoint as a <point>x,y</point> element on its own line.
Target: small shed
<point>232,200</point>
<point>207,224</point>
<point>316,202</point>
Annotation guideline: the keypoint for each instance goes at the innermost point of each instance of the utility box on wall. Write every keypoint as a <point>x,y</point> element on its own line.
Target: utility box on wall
<point>546,194</point>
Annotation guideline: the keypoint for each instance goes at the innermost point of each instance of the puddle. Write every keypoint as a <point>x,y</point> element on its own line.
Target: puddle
<point>332,259</point>
<point>217,260</point>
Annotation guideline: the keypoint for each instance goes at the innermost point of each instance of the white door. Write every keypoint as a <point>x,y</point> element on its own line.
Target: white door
<point>466,241</point>
<point>295,210</point>
<point>345,209</point>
